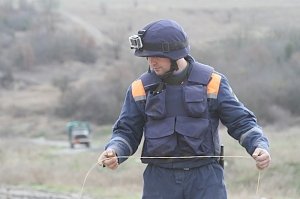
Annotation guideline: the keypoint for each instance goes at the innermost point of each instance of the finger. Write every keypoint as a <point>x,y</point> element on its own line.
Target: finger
<point>102,157</point>
<point>110,161</point>
<point>256,153</point>
<point>113,166</point>
<point>260,154</point>
<point>101,160</point>
<point>263,164</point>
<point>110,153</point>
<point>262,157</point>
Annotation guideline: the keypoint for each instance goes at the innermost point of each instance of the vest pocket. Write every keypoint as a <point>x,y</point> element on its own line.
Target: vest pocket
<point>194,137</point>
<point>195,100</point>
<point>156,105</point>
<point>160,139</point>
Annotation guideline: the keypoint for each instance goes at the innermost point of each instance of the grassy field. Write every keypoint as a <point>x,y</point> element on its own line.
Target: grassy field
<point>54,167</point>
<point>277,182</point>
<point>29,159</point>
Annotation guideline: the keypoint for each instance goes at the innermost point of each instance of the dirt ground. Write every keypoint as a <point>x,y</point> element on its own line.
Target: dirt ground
<point>20,193</point>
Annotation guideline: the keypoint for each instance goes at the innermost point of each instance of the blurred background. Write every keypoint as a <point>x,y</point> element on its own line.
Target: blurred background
<point>63,61</point>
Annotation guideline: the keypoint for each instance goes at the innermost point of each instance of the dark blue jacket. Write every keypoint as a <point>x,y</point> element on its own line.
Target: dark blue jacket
<point>187,126</point>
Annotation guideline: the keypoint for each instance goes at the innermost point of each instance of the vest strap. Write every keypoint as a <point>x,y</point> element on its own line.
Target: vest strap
<point>149,80</point>
<point>213,86</point>
<point>138,91</point>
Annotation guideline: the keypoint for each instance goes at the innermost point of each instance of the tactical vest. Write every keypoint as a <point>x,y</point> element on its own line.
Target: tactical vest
<point>178,122</point>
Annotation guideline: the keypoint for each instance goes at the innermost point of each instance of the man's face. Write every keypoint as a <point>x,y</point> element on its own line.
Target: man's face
<point>160,65</point>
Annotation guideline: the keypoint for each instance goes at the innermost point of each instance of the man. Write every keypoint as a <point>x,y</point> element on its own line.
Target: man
<point>178,104</point>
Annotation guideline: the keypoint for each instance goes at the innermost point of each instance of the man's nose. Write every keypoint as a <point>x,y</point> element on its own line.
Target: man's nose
<point>152,60</point>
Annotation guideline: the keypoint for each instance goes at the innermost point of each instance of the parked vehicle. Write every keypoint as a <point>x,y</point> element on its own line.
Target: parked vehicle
<point>79,133</point>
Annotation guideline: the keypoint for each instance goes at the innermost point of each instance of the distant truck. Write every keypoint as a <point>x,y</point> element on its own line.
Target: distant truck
<point>79,133</point>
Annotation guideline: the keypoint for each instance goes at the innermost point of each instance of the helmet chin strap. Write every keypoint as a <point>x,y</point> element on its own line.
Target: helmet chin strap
<point>174,67</point>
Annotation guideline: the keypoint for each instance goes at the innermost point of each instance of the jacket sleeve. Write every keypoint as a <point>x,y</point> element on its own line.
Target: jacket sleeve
<point>240,122</point>
<point>128,129</point>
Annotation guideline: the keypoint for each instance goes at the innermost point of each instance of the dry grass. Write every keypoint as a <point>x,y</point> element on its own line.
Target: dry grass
<point>54,167</point>
<point>277,182</point>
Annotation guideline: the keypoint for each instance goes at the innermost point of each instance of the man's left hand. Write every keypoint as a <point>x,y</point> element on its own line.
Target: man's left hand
<point>262,158</point>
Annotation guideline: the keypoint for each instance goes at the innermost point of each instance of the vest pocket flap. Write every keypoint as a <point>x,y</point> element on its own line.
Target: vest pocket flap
<point>194,93</point>
<point>192,127</point>
<point>195,100</point>
<point>159,128</point>
<point>156,106</point>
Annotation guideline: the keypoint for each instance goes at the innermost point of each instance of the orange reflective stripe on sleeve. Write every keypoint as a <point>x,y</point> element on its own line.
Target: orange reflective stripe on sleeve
<point>138,91</point>
<point>213,86</point>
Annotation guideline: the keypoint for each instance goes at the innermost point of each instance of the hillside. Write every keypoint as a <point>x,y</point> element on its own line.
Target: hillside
<point>47,82</point>
<point>39,90</point>
<point>63,60</point>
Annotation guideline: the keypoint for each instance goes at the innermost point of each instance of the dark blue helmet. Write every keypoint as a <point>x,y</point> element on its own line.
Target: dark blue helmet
<point>163,38</point>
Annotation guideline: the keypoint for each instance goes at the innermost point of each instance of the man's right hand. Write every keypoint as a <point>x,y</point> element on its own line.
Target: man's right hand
<point>109,159</point>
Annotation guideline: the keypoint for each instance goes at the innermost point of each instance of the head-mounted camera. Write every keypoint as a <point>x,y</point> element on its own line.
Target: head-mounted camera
<point>135,41</point>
